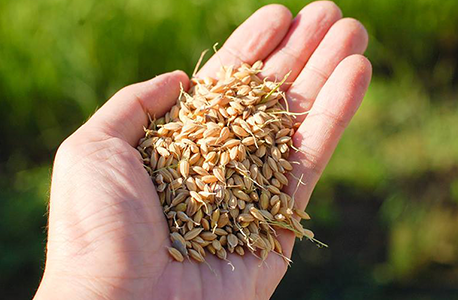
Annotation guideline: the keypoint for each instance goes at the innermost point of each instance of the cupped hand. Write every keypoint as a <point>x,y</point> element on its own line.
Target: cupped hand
<point>108,236</point>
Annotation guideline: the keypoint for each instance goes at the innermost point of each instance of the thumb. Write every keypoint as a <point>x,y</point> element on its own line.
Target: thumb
<point>126,113</point>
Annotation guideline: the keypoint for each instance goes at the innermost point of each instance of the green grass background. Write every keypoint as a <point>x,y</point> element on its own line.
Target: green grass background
<point>388,202</point>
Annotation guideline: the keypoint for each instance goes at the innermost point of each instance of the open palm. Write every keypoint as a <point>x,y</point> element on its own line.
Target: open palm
<point>107,233</point>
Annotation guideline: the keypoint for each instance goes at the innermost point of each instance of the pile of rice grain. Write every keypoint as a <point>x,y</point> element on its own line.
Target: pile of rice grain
<point>218,160</point>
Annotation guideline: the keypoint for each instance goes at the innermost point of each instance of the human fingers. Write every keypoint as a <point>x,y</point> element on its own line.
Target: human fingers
<point>126,113</point>
<point>253,40</point>
<point>346,37</point>
<point>305,34</point>
<point>319,134</point>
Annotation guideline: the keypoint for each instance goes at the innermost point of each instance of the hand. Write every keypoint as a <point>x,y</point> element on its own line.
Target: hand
<point>107,233</point>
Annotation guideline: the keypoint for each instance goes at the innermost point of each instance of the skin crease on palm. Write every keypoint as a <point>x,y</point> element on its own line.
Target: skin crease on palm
<point>107,234</point>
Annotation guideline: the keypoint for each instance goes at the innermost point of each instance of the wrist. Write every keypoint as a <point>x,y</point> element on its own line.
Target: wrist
<point>54,286</point>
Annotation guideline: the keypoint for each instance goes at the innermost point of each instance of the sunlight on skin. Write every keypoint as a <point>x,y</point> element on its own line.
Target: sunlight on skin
<point>107,233</point>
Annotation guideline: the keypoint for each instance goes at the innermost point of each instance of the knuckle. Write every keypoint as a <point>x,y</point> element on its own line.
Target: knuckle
<point>67,150</point>
<point>65,147</point>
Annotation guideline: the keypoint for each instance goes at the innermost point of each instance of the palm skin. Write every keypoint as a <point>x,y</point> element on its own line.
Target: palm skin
<point>107,233</point>
<point>119,240</point>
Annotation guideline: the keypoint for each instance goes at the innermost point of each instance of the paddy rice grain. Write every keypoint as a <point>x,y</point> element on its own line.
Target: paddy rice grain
<point>219,161</point>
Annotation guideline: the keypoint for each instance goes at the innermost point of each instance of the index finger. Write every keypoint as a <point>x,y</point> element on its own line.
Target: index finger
<point>254,40</point>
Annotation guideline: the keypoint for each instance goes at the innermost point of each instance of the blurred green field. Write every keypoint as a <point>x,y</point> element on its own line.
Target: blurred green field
<point>388,202</point>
